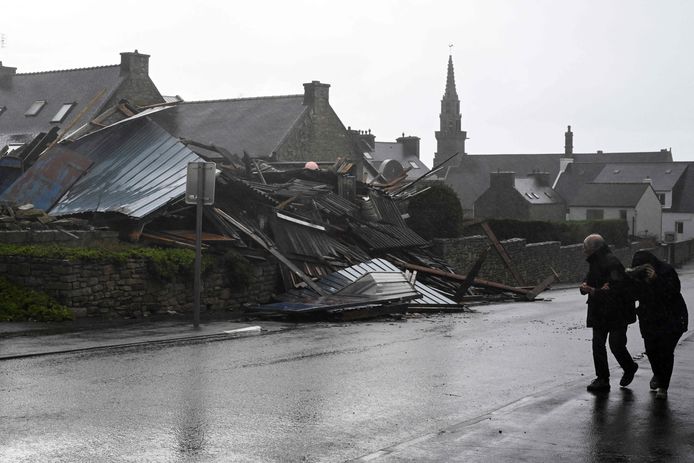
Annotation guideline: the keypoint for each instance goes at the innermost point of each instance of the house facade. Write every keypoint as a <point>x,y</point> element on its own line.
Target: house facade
<point>637,203</point>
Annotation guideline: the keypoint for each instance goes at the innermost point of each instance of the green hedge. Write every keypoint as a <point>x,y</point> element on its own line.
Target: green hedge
<point>436,212</point>
<point>615,232</point>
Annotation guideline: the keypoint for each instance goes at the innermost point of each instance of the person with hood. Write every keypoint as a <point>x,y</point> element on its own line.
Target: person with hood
<point>610,311</point>
<point>663,316</point>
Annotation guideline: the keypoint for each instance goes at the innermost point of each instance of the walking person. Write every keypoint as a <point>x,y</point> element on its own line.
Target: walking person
<point>610,311</point>
<point>662,312</point>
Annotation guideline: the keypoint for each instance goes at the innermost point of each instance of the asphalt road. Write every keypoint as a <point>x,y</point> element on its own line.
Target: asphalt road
<point>323,392</point>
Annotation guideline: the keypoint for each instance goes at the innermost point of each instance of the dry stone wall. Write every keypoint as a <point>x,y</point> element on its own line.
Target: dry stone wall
<point>128,290</point>
<point>534,262</point>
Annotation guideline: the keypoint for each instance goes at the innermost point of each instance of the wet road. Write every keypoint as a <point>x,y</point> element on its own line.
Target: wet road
<point>325,392</point>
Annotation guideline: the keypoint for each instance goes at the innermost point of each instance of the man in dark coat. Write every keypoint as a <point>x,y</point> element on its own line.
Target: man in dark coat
<point>610,311</point>
<point>663,315</point>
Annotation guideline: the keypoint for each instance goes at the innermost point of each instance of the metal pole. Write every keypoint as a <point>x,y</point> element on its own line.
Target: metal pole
<point>198,244</point>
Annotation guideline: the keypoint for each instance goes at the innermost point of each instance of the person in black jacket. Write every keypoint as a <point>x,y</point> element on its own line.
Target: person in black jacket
<point>662,312</point>
<point>610,311</point>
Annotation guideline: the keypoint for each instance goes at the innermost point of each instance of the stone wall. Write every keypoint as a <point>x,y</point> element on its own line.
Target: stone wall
<point>127,290</point>
<point>534,262</point>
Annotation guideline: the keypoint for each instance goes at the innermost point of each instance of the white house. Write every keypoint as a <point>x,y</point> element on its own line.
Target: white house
<point>637,203</point>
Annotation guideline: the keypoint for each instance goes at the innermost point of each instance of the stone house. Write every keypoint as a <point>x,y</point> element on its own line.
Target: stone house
<point>387,161</point>
<point>287,131</point>
<point>520,198</point>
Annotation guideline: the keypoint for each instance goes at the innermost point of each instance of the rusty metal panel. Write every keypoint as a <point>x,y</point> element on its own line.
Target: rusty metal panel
<point>48,179</point>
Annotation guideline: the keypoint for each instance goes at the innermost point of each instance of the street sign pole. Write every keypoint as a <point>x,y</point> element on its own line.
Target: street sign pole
<point>198,244</point>
<point>199,191</point>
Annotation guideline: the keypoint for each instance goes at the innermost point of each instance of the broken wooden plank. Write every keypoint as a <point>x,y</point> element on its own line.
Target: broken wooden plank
<point>502,253</point>
<point>544,284</point>
<point>471,275</point>
<point>457,277</point>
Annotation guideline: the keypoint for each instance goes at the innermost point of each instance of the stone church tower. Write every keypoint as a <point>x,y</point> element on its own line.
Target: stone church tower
<point>449,139</point>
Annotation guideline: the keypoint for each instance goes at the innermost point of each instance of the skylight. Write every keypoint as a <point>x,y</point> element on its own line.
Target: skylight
<point>414,165</point>
<point>2,109</point>
<point>62,112</point>
<point>367,155</point>
<point>35,108</point>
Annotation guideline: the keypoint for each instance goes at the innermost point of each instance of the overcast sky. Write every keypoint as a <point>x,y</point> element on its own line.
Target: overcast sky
<point>621,73</point>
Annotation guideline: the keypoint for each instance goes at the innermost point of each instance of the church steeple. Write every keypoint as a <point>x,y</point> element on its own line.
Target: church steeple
<point>450,139</point>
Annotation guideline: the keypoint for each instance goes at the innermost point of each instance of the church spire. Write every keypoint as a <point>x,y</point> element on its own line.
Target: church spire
<point>450,139</point>
<point>450,81</point>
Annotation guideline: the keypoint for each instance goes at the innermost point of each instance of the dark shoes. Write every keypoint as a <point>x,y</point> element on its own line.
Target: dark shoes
<point>661,393</point>
<point>599,385</point>
<point>654,383</point>
<point>628,376</point>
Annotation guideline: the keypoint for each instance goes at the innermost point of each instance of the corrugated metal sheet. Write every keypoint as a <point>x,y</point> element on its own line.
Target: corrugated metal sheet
<point>383,236</point>
<point>48,179</point>
<point>138,168</point>
<point>335,282</point>
<point>10,171</point>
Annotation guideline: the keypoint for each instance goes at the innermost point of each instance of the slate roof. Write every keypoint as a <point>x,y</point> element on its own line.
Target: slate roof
<point>639,156</point>
<point>256,125</point>
<point>683,195</point>
<point>56,88</point>
<point>471,177</point>
<point>663,176</point>
<point>575,176</point>
<point>535,193</point>
<point>609,195</point>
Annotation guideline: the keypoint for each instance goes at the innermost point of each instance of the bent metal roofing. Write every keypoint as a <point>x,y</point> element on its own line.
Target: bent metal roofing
<point>138,168</point>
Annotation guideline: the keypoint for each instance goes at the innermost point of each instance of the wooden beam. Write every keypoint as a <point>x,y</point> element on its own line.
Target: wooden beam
<point>471,274</point>
<point>502,253</point>
<point>544,284</point>
<point>456,277</point>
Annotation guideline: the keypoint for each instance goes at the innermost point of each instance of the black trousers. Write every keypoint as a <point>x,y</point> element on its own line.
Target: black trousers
<point>661,354</point>
<point>618,346</point>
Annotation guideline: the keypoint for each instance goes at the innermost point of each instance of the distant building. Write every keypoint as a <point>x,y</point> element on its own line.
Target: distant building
<point>469,174</point>
<point>636,203</point>
<point>528,198</point>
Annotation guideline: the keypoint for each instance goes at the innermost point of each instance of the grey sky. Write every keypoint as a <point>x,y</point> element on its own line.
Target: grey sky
<point>619,72</point>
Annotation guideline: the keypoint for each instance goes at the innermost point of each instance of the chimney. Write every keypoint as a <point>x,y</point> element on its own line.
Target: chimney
<point>6,74</point>
<point>316,94</point>
<point>365,136</point>
<point>542,178</point>
<point>568,142</point>
<point>502,180</point>
<point>134,63</point>
<point>410,145</point>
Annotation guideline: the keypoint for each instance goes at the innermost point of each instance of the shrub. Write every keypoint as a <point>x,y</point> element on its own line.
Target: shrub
<point>22,304</point>
<point>436,213</point>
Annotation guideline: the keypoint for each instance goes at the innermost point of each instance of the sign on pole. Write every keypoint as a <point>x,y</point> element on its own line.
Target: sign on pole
<point>200,172</point>
<point>200,191</point>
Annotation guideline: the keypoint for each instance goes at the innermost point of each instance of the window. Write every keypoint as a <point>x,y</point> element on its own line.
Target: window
<point>661,198</point>
<point>623,214</point>
<point>679,227</point>
<point>414,165</point>
<point>35,108</point>
<point>595,214</point>
<point>62,112</point>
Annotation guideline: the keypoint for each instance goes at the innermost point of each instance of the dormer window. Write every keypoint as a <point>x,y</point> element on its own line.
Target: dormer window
<point>63,112</point>
<point>35,108</point>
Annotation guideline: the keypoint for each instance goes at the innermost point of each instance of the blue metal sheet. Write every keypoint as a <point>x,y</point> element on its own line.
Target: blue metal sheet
<point>48,179</point>
<point>138,168</point>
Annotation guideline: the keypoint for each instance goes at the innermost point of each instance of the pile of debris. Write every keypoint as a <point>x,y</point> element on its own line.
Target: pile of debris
<point>344,248</point>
